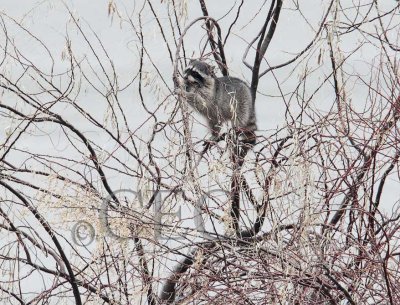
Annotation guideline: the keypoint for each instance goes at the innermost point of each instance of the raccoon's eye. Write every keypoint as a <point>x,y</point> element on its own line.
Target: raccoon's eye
<point>197,76</point>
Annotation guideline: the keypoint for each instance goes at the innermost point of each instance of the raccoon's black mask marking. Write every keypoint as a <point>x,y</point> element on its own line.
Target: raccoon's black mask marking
<point>196,75</point>
<point>197,72</point>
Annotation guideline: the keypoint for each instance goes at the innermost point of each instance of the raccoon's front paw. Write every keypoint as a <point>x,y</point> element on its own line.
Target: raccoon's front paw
<point>180,92</point>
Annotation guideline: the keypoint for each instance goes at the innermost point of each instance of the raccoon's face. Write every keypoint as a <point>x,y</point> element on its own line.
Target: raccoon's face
<point>197,72</point>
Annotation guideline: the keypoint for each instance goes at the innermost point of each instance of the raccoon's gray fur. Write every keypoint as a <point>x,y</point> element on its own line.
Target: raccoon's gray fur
<point>219,99</point>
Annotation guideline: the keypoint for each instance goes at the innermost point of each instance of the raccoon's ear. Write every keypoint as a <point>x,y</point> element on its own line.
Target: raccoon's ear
<point>192,61</point>
<point>211,70</point>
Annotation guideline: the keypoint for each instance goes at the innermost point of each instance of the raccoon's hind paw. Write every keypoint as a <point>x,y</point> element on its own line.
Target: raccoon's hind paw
<point>214,139</point>
<point>249,142</point>
<point>247,136</point>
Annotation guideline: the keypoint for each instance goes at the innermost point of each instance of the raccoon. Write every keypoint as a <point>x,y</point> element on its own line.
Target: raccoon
<point>219,99</point>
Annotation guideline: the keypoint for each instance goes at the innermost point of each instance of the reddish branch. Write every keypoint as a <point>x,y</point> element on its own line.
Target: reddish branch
<point>72,280</point>
<point>219,54</point>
